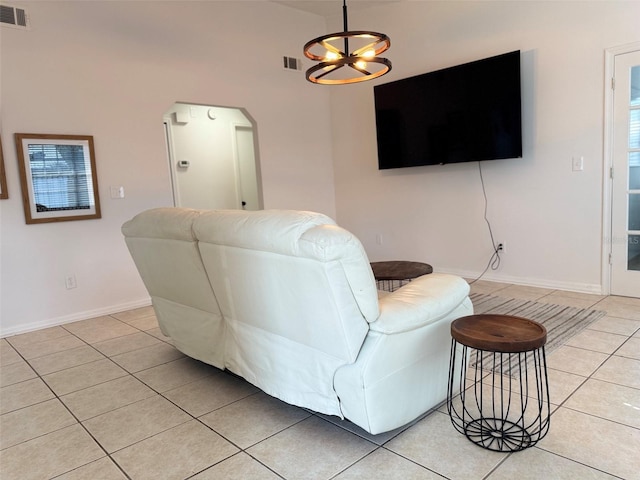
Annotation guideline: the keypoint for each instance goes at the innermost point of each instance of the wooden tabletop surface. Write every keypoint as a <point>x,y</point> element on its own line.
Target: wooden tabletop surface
<point>499,333</point>
<point>399,270</point>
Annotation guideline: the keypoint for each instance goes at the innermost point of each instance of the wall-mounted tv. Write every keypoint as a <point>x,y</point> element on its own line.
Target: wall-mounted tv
<point>466,113</point>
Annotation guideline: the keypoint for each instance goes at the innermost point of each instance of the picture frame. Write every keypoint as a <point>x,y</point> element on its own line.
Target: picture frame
<point>4,192</point>
<point>58,177</point>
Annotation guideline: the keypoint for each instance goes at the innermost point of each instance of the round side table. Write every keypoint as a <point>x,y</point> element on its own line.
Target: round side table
<point>498,366</point>
<point>394,274</point>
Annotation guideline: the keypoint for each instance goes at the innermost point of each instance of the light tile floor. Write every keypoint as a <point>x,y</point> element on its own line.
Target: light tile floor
<point>110,398</point>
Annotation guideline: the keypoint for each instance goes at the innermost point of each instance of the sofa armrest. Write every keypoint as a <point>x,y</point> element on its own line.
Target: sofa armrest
<point>425,300</point>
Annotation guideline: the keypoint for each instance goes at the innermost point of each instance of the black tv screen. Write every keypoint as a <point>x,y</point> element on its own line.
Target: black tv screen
<point>466,113</point>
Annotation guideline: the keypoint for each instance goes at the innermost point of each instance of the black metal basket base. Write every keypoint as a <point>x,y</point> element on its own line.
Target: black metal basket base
<point>498,435</point>
<point>498,410</point>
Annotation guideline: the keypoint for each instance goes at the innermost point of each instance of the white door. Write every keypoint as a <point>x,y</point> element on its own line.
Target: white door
<point>625,187</point>
<point>246,165</point>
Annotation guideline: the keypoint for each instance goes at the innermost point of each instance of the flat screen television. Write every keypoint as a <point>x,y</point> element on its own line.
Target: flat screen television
<point>466,113</point>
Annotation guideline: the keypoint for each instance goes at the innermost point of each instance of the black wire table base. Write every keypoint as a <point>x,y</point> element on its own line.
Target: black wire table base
<point>505,407</point>
<point>498,434</point>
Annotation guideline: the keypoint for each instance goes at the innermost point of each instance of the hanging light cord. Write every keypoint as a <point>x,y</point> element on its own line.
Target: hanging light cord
<point>345,26</point>
<point>494,260</point>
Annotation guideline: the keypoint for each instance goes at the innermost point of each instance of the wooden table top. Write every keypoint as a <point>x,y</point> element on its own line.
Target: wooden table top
<point>399,270</point>
<point>499,333</point>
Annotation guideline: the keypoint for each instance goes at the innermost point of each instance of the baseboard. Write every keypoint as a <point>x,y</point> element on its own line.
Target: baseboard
<point>595,289</point>
<point>492,277</point>
<point>53,322</point>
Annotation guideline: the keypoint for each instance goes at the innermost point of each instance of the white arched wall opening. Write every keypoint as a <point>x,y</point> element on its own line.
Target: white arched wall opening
<point>213,157</point>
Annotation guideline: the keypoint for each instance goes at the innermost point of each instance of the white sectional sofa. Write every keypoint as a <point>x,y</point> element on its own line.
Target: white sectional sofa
<point>287,300</point>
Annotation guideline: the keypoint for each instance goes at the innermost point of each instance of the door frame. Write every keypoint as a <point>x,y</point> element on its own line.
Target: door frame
<point>168,138</point>
<point>607,164</point>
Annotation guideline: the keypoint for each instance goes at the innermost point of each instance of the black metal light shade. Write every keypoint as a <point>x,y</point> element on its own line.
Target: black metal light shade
<point>338,65</point>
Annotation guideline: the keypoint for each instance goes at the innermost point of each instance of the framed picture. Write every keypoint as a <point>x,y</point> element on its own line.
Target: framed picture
<point>4,193</point>
<point>58,177</point>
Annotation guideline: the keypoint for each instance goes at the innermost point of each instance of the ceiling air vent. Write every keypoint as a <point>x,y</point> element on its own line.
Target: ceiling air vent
<point>291,63</point>
<point>14,17</point>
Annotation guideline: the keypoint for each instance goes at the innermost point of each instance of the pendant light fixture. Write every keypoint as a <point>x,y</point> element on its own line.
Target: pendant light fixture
<point>338,65</point>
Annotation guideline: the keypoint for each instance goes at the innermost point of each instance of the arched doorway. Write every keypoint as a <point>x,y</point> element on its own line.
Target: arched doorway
<point>213,157</point>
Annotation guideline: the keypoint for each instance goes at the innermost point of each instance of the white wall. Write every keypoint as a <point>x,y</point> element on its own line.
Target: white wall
<point>549,216</point>
<point>111,70</point>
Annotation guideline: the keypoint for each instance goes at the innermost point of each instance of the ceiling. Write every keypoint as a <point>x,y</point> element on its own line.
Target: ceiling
<point>329,8</point>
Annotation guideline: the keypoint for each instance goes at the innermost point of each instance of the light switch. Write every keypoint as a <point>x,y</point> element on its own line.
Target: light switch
<point>577,164</point>
<point>117,192</point>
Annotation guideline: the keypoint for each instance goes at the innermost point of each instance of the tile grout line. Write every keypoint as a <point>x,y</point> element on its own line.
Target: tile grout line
<point>378,446</point>
<point>161,394</point>
<point>591,377</point>
<point>64,405</point>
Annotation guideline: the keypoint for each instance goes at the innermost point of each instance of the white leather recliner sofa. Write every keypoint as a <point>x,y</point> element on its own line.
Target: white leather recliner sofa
<point>287,300</point>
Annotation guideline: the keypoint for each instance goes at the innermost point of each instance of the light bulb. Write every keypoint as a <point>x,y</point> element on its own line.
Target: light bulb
<point>361,64</point>
<point>369,53</point>
<point>331,56</point>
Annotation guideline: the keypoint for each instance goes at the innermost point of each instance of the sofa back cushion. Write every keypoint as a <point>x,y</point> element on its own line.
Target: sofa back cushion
<point>296,292</point>
<point>165,251</point>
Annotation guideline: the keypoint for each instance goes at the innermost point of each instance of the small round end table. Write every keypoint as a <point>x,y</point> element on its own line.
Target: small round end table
<point>506,406</point>
<point>394,274</point>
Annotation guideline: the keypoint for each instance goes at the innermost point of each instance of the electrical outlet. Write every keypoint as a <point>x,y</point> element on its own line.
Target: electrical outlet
<point>502,247</point>
<point>70,281</point>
